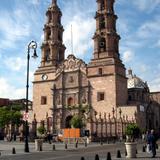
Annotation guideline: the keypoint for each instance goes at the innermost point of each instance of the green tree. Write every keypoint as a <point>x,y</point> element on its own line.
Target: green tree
<point>10,115</point>
<point>132,131</point>
<point>41,130</point>
<point>77,122</point>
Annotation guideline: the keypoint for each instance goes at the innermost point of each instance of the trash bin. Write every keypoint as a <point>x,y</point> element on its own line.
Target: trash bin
<point>38,144</point>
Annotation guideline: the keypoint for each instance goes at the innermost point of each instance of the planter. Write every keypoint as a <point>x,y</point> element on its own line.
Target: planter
<point>131,148</point>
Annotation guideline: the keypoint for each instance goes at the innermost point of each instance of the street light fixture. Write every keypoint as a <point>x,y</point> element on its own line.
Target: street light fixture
<point>31,46</point>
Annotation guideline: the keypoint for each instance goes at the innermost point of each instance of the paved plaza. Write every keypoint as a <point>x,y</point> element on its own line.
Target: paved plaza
<point>71,152</point>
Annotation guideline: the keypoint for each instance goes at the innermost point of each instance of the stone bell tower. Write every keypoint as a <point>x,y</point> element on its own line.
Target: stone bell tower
<point>53,47</point>
<point>106,71</point>
<point>52,55</point>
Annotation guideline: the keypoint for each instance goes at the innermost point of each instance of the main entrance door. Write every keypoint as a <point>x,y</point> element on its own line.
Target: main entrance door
<point>68,122</point>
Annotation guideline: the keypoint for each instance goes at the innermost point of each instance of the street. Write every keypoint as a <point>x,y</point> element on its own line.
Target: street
<point>71,152</point>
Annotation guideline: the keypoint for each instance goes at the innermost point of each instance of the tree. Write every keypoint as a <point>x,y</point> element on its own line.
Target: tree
<point>10,115</point>
<point>77,121</point>
<point>41,130</point>
<point>132,131</point>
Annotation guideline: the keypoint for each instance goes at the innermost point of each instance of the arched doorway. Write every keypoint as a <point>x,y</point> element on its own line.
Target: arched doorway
<point>67,123</point>
<point>70,101</point>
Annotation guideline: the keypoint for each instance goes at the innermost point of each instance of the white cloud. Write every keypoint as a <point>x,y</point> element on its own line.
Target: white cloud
<point>158,44</point>
<point>155,84</point>
<point>82,30</point>
<point>146,5</point>
<point>15,64</point>
<point>128,56</point>
<point>150,29</point>
<point>34,2</point>
<point>143,68</point>
<point>12,28</point>
<point>9,91</point>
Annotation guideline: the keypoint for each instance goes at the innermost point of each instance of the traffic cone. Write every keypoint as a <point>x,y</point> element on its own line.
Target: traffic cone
<point>144,149</point>
<point>125,153</point>
<point>109,156</point>
<point>66,146</point>
<point>54,147</point>
<point>13,150</point>
<point>40,148</point>
<point>76,145</point>
<point>97,157</point>
<point>118,154</point>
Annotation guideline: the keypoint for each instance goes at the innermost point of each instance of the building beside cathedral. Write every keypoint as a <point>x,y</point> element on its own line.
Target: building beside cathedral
<point>63,87</point>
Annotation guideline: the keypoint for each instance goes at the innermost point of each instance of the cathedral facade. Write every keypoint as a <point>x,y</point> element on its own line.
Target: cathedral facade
<point>63,87</point>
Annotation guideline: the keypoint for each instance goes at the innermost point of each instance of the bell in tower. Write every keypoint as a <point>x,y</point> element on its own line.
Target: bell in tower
<point>52,47</point>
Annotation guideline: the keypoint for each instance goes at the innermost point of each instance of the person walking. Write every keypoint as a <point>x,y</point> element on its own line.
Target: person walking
<point>152,138</point>
<point>49,137</point>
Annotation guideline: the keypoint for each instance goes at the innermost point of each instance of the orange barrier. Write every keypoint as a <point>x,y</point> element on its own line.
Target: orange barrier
<point>71,133</point>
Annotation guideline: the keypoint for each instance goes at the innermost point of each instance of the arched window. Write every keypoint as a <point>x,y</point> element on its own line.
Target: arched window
<point>102,22</point>
<point>70,101</point>
<point>129,97</point>
<point>102,5</point>
<point>47,55</point>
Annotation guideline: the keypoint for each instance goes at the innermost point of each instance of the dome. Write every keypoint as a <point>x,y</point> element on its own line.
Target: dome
<point>135,82</point>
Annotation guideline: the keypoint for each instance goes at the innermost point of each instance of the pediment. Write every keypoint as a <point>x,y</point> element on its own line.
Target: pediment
<point>72,64</point>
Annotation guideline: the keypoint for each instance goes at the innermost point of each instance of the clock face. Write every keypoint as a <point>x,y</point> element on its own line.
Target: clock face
<point>44,77</point>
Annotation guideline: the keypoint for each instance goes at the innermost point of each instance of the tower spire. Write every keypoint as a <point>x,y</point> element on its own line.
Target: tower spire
<point>54,2</point>
<point>52,47</point>
<point>106,39</point>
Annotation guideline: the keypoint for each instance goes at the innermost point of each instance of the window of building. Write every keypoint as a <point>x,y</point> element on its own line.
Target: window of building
<point>43,100</point>
<point>100,96</point>
<point>102,4</point>
<point>129,97</point>
<point>47,55</point>
<point>102,22</point>
<point>100,71</point>
<point>70,101</point>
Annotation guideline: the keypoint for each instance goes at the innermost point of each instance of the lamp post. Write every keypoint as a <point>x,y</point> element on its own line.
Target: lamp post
<point>31,46</point>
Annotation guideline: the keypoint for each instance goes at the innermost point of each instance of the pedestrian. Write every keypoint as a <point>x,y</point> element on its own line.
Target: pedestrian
<point>148,148</point>
<point>49,137</point>
<point>152,138</point>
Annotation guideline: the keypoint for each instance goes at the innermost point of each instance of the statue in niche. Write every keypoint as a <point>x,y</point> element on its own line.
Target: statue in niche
<point>58,101</point>
<point>84,99</point>
<point>71,65</point>
<point>71,80</point>
<point>47,56</point>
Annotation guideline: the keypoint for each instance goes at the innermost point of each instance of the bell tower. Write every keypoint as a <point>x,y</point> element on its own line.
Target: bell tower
<point>52,51</point>
<point>106,71</point>
<point>106,39</point>
<point>52,47</point>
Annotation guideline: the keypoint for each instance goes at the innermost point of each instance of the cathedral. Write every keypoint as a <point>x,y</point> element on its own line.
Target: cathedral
<point>101,90</point>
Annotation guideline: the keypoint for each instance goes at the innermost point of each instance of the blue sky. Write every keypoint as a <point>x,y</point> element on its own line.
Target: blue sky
<point>22,21</point>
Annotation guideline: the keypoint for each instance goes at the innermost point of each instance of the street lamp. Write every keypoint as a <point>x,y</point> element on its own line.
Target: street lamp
<point>31,46</point>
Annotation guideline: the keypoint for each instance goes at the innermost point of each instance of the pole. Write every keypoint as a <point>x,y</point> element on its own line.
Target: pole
<point>31,45</point>
<point>26,109</point>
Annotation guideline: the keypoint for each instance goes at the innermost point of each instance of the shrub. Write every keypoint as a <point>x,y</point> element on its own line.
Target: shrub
<point>132,131</point>
<point>41,130</point>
